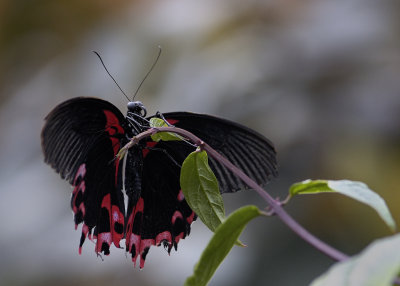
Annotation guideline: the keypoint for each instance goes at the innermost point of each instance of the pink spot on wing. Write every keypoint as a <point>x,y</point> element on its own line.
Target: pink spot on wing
<point>179,237</point>
<point>134,239</point>
<point>80,188</point>
<point>115,214</point>
<point>190,218</point>
<point>175,216</point>
<point>117,217</point>
<point>80,173</point>
<point>163,236</point>
<point>145,243</point>
<point>101,238</point>
<point>181,197</point>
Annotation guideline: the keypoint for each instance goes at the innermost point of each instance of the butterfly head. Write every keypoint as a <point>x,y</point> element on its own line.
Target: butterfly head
<point>137,107</point>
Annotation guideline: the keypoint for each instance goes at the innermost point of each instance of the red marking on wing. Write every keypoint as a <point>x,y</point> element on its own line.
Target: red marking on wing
<point>115,216</point>
<point>116,170</point>
<point>149,144</point>
<point>138,208</point>
<point>131,238</point>
<point>85,231</point>
<point>112,121</point>
<point>113,127</point>
<point>172,121</point>
<point>115,144</point>
<point>105,236</point>
<point>106,202</point>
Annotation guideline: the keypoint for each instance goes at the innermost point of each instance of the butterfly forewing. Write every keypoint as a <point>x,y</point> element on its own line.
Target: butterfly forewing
<point>247,149</point>
<point>80,140</point>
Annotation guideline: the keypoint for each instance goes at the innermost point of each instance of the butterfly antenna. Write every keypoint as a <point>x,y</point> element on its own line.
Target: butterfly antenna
<point>101,60</point>
<point>151,68</point>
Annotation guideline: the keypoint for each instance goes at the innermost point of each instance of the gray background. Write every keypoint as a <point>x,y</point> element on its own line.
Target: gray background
<point>319,78</point>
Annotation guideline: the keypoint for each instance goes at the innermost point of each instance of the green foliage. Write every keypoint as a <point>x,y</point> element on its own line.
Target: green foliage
<point>201,190</point>
<point>165,136</point>
<point>378,264</point>
<point>221,243</point>
<point>355,190</point>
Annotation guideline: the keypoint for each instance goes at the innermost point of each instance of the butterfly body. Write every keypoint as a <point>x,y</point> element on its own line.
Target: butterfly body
<point>81,139</point>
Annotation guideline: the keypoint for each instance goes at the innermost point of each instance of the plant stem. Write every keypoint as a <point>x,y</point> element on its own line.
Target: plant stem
<point>275,205</point>
<point>278,209</point>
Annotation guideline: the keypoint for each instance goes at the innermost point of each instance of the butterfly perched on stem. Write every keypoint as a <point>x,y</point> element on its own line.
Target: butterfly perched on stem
<point>138,197</point>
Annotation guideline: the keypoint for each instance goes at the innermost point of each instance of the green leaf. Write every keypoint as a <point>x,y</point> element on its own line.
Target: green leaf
<point>200,188</point>
<point>220,244</point>
<point>309,187</point>
<point>378,264</point>
<point>164,136</point>
<point>355,190</point>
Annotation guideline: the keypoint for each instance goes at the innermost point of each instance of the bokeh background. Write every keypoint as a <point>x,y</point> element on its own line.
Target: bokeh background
<point>320,78</point>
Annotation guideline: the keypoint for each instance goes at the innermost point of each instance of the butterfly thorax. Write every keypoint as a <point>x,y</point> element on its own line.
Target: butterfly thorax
<point>136,117</point>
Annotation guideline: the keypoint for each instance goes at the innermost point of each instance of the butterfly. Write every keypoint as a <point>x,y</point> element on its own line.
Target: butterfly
<point>138,198</point>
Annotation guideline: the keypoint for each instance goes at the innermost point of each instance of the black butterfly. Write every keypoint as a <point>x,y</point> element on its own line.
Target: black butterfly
<point>80,140</point>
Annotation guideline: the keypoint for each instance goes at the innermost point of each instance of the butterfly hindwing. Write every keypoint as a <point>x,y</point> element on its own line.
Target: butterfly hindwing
<point>80,140</point>
<point>160,216</point>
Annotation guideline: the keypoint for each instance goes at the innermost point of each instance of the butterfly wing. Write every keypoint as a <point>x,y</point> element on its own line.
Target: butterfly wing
<point>80,139</point>
<point>245,148</point>
<point>160,215</point>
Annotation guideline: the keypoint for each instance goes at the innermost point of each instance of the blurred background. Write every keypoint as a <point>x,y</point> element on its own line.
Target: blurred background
<point>319,78</point>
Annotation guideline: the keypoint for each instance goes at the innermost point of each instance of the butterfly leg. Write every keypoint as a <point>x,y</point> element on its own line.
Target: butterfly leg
<point>160,115</point>
<point>166,153</point>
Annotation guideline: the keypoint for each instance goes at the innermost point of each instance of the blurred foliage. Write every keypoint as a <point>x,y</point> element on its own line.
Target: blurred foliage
<point>34,32</point>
